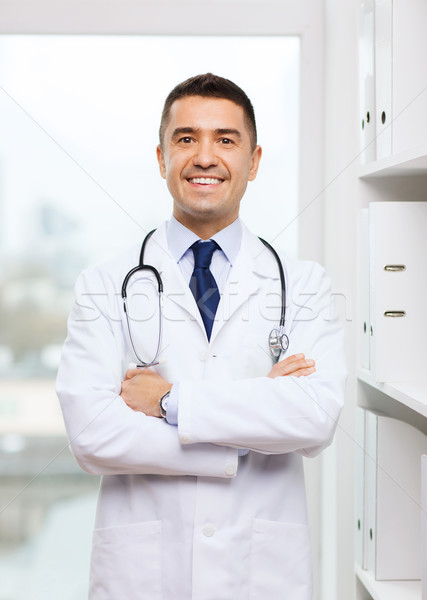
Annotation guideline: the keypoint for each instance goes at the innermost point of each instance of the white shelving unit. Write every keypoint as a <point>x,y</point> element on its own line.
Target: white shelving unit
<point>410,394</point>
<point>393,100</point>
<point>388,590</point>
<point>412,162</point>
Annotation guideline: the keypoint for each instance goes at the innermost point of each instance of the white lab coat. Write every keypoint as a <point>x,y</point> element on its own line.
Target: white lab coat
<point>180,515</point>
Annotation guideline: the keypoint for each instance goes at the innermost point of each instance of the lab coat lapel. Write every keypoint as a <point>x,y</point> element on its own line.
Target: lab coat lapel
<point>253,265</point>
<point>175,289</point>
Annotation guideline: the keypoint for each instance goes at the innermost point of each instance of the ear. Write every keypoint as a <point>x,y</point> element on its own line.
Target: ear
<point>161,161</point>
<point>256,157</point>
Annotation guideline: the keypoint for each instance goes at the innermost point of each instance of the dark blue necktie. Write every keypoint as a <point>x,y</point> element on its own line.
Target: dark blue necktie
<point>203,284</point>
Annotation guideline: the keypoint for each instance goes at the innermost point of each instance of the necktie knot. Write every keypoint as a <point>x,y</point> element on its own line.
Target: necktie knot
<point>203,252</point>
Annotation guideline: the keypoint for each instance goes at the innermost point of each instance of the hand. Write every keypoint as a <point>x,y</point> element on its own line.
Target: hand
<point>142,390</point>
<point>296,365</point>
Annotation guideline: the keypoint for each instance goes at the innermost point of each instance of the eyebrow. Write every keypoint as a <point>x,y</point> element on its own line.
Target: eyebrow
<point>222,131</point>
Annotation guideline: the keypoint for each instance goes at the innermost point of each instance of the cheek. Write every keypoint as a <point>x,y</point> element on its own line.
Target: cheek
<point>174,168</point>
<point>171,173</point>
<point>241,170</point>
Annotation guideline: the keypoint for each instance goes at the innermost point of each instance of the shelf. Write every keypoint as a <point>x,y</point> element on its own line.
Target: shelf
<point>389,590</point>
<point>406,163</point>
<point>411,394</point>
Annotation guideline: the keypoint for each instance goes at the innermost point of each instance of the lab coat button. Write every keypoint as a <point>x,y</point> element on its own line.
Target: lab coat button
<point>208,530</point>
<point>185,438</point>
<point>230,469</point>
<point>203,355</point>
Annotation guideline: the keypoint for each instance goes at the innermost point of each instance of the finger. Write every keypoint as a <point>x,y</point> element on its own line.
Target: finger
<point>304,372</point>
<point>290,359</point>
<point>296,356</point>
<point>131,373</point>
<point>290,368</point>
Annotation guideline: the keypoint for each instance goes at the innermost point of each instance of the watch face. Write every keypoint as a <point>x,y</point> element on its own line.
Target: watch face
<point>164,404</point>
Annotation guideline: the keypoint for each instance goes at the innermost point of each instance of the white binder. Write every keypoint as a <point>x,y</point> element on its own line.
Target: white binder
<point>370,533</point>
<point>398,298</point>
<point>360,554</point>
<point>367,83</point>
<point>383,76</point>
<point>364,326</point>
<point>424,526</point>
<point>394,494</point>
<point>409,75</point>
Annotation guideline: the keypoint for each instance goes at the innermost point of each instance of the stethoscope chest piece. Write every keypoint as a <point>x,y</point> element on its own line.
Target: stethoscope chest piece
<point>278,342</point>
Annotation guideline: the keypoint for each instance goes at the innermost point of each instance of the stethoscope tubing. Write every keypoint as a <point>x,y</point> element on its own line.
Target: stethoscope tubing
<point>282,282</point>
<point>278,340</point>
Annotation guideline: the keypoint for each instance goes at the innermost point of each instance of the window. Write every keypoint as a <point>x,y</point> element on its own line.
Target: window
<point>79,182</point>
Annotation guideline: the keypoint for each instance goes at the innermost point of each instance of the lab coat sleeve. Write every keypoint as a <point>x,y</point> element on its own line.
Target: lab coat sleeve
<point>285,414</point>
<point>106,436</point>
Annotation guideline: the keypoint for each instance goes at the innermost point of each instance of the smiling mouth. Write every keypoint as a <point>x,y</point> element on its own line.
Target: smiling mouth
<point>205,180</point>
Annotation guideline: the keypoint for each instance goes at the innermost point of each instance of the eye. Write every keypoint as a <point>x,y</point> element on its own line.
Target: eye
<point>226,141</point>
<point>185,140</point>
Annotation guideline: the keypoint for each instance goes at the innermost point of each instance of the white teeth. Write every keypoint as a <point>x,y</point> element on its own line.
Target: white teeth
<point>205,180</point>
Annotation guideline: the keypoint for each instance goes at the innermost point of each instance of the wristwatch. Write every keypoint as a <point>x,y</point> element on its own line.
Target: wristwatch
<point>163,404</point>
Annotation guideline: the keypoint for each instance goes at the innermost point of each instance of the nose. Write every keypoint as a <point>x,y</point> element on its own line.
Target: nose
<point>205,155</point>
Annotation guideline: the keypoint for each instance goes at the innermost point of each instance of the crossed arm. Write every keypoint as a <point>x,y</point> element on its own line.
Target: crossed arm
<point>143,388</point>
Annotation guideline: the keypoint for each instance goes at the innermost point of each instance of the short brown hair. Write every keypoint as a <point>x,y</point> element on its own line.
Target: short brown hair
<point>210,86</point>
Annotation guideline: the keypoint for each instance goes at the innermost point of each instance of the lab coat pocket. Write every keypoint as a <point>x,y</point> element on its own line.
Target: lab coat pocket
<point>126,562</point>
<point>280,561</point>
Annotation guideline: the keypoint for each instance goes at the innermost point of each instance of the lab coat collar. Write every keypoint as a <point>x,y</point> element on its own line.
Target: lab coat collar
<point>253,264</point>
<point>175,288</point>
<point>179,239</point>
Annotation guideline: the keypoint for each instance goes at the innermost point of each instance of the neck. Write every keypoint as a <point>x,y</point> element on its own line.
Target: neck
<point>204,230</point>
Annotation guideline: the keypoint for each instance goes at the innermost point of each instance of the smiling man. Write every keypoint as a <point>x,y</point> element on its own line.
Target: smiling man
<point>207,156</point>
<point>200,448</point>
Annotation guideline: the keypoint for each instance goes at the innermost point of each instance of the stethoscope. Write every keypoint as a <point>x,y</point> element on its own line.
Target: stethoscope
<point>278,341</point>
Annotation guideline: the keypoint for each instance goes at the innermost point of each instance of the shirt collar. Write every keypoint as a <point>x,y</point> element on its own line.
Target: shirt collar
<point>180,238</point>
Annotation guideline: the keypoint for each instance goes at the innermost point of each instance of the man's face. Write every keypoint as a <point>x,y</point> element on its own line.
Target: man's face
<point>207,160</point>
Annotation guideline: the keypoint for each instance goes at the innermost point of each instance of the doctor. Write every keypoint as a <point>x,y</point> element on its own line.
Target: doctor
<point>202,495</point>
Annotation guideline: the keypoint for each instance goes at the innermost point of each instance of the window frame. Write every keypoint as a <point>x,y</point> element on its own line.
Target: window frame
<point>196,17</point>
